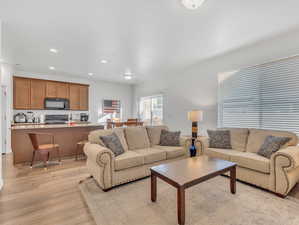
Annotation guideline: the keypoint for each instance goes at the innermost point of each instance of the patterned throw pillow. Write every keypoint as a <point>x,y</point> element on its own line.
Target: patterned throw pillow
<point>113,143</point>
<point>169,138</point>
<point>271,145</point>
<point>219,139</point>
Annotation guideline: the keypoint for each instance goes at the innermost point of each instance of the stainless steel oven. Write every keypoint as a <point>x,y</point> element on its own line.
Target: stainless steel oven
<point>57,104</point>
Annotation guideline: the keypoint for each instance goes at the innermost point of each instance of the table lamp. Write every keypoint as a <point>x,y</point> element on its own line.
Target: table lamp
<point>195,116</point>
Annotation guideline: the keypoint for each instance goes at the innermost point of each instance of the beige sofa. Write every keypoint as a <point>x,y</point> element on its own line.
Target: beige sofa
<point>278,174</point>
<point>142,151</point>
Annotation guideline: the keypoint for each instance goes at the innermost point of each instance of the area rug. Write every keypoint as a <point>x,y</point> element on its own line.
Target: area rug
<point>208,203</point>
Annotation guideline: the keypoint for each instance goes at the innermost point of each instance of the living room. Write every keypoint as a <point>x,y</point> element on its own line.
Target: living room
<point>180,52</point>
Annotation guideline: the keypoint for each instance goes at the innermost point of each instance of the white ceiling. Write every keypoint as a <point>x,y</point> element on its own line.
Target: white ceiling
<point>149,37</point>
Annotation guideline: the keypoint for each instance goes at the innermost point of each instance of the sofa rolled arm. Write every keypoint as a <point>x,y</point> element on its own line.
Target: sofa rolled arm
<point>285,168</point>
<point>287,157</point>
<point>100,163</point>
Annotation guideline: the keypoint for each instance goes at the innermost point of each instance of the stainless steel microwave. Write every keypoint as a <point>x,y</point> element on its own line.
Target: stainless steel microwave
<point>57,104</point>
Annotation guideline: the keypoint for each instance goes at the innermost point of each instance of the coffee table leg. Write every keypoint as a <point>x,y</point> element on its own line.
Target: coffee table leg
<point>153,187</point>
<point>181,205</point>
<point>233,180</point>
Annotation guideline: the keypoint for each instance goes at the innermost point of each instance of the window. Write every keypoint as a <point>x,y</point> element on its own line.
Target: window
<point>151,110</point>
<point>264,96</point>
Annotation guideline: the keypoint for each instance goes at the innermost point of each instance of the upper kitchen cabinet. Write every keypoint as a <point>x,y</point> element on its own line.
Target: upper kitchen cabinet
<point>79,97</point>
<point>84,97</point>
<point>74,97</point>
<point>37,94</point>
<point>31,93</point>
<point>62,90</point>
<point>51,89</point>
<point>57,90</point>
<point>21,93</point>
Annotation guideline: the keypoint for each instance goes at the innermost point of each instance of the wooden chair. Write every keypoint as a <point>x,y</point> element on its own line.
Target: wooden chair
<point>109,124</point>
<point>132,120</point>
<point>118,124</point>
<point>80,146</point>
<point>43,149</point>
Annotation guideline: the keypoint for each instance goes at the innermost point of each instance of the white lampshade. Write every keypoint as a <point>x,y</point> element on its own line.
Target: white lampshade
<point>195,115</point>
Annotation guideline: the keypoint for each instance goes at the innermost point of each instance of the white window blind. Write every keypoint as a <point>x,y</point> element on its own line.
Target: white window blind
<point>264,96</point>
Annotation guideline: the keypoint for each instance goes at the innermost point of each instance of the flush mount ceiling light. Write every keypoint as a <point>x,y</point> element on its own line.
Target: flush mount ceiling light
<point>51,67</point>
<point>104,61</point>
<point>192,4</point>
<point>53,50</point>
<point>90,74</point>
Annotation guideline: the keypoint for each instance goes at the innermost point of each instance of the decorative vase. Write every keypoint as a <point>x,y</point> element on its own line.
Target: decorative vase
<point>192,149</point>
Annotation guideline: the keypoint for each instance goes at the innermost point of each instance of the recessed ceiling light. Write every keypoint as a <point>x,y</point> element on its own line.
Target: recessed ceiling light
<point>192,4</point>
<point>90,74</point>
<point>128,75</point>
<point>51,67</point>
<point>53,50</point>
<point>104,61</point>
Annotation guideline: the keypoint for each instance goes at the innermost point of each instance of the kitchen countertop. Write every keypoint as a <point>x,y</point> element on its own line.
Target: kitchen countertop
<point>46,126</point>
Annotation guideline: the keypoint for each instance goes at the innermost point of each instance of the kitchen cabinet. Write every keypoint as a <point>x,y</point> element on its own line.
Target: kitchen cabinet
<point>30,93</point>
<point>83,97</point>
<point>50,89</point>
<point>37,94</point>
<point>57,90</point>
<point>74,97</point>
<point>62,90</point>
<point>21,93</point>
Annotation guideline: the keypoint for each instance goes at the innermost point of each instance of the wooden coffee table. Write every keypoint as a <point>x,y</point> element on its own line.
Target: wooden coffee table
<point>185,173</point>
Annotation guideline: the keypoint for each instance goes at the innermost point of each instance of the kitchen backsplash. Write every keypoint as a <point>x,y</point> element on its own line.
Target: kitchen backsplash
<point>37,113</point>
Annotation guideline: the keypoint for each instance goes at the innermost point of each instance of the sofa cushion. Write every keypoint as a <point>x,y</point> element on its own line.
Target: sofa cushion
<point>152,155</point>
<point>127,160</point>
<point>113,143</point>
<point>219,139</point>
<point>94,136</point>
<point>170,138</point>
<point>252,161</point>
<point>154,133</point>
<point>271,145</point>
<point>219,153</point>
<point>257,137</point>
<point>137,138</point>
<point>238,138</point>
<point>120,132</point>
<point>172,151</point>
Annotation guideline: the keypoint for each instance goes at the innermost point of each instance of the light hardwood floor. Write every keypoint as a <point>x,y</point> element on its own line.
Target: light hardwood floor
<point>43,197</point>
<point>48,197</point>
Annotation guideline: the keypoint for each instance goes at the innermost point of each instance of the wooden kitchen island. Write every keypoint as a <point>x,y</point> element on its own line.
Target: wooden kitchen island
<point>67,136</point>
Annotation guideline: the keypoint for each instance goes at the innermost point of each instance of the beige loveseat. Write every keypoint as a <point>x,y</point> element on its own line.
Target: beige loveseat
<point>278,174</point>
<point>142,151</point>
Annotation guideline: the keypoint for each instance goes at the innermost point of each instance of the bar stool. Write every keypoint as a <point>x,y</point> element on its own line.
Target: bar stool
<point>43,149</point>
<point>80,146</point>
